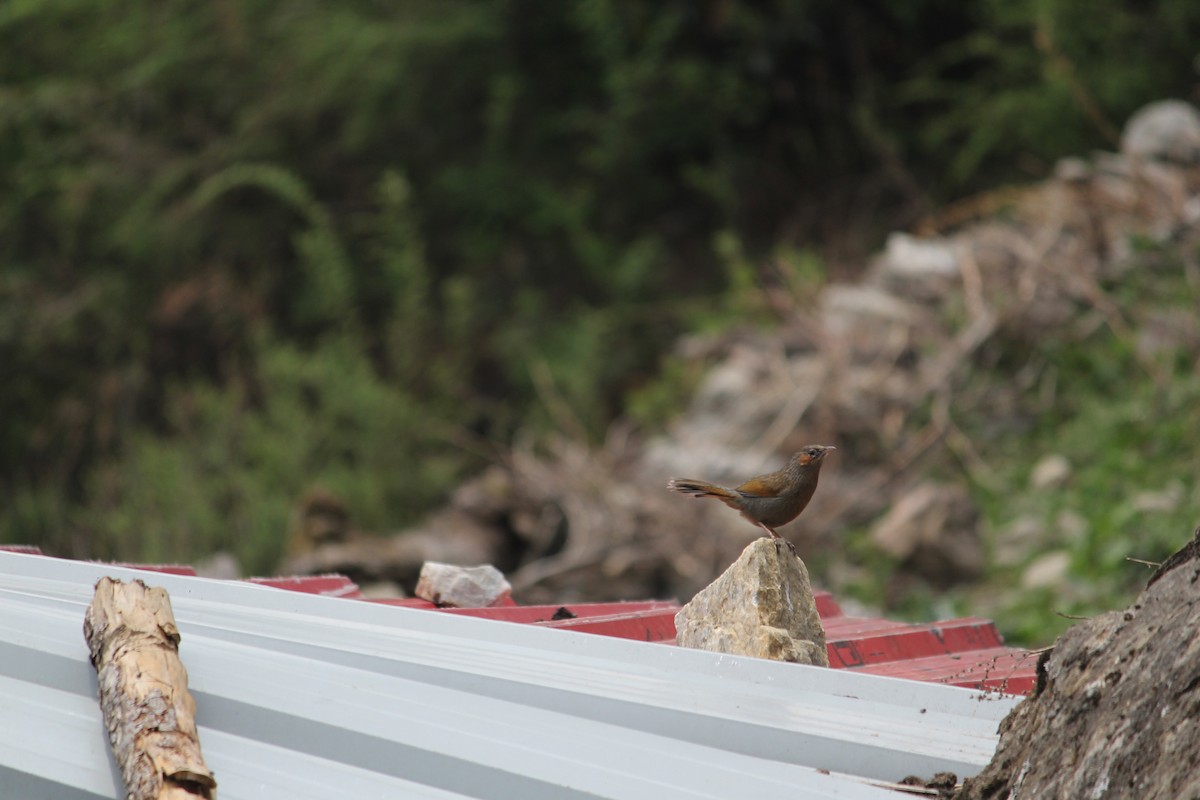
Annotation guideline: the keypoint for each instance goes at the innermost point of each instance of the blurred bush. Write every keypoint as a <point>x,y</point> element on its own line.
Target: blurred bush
<point>246,245</point>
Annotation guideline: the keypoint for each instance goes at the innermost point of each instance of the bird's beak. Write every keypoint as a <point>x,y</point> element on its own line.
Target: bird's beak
<point>830,447</point>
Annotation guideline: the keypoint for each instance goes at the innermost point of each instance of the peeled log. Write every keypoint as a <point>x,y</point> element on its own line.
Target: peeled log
<point>761,606</point>
<point>150,715</point>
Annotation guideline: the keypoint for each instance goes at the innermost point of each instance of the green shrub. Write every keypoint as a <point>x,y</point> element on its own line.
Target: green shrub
<point>229,469</point>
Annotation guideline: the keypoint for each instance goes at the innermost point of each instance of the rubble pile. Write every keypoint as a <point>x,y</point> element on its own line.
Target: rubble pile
<point>876,367</point>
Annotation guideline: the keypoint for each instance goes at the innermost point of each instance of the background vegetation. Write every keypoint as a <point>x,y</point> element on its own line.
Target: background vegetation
<point>247,246</point>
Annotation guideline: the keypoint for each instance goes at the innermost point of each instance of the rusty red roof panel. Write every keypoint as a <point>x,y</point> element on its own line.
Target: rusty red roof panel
<point>1002,669</point>
<point>965,652</point>
<point>169,569</point>
<point>903,642</point>
<point>328,585</point>
<point>652,625</point>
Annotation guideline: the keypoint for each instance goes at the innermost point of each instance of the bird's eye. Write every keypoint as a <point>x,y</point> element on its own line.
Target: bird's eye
<point>812,451</point>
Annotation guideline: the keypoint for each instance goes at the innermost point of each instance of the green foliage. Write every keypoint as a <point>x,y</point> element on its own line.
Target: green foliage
<point>1123,414</point>
<point>499,212</point>
<point>227,472</point>
<point>1134,492</point>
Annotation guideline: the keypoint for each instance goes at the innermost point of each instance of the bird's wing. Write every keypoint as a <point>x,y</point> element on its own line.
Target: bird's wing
<point>756,487</point>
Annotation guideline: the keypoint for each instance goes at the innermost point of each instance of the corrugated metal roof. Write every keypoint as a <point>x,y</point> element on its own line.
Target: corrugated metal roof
<point>966,652</point>
<point>309,696</point>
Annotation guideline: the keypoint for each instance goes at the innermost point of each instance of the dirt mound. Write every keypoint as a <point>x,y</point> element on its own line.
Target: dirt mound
<point>1117,709</point>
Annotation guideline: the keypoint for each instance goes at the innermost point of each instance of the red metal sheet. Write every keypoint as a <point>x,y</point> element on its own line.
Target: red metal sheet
<point>848,627</point>
<point>169,569</point>
<point>961,652</point>
<point>906,642</point>
<point>826,605</point>
<point>505,608</point>
<point>654,625</point>
<point>403,602</point>
<point>998,668</point>
<point>567,612</point>
<point>328,585</point>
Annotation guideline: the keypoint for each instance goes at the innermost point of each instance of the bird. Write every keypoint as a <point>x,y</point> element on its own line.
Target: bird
<point>771,500</point>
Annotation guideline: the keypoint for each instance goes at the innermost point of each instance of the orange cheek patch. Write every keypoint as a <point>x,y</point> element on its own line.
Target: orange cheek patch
<point>804,459</point>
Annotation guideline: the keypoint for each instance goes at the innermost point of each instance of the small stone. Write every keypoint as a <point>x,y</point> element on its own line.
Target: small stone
<point>1047,571</point>
<point>907,256</point>
<point>1168,130</point>
<point>762,606</point>
<point>846,306</point>
<point>462,587</point>
<point>1161,502</point>
<point>1051,472</point>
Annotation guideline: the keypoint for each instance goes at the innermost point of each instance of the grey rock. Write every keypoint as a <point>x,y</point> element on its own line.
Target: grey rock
<point>461,587</point>
<point>762,606</point>
<point>1168,130</point>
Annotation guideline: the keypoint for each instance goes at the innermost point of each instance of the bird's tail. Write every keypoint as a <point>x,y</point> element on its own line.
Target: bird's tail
<point>698,488</point>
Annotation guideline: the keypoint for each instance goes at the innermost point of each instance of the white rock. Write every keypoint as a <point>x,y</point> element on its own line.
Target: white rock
<point>907,256</point>
<point>843,303</point>
<point>461,587</point>
<point>1168,130</point>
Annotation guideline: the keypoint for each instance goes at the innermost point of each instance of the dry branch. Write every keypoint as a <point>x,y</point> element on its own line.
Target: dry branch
<point>150,715</point>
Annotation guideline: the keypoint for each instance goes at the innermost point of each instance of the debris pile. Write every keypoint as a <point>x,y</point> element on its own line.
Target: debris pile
<point>876,367</point>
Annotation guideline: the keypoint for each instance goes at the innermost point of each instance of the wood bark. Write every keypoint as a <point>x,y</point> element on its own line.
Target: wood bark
<point>150,715</point>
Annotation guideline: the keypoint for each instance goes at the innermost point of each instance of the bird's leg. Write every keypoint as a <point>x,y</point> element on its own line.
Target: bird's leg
<point>775,535</point>
<point>777,538</point>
